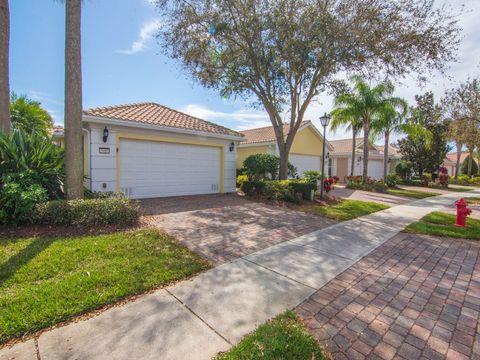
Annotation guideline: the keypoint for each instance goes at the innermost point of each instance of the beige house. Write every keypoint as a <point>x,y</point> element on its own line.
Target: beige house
<point>340,159</point>
<point>305,154</point>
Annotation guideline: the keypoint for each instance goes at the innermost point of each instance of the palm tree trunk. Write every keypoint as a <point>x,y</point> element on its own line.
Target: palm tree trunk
<point>5,124</point>
<point>459,154</point>
<point>385,155</point>
<point>470,162</point>
<point>354,145</point>
<point>73,101</point>
<point>366,131</point>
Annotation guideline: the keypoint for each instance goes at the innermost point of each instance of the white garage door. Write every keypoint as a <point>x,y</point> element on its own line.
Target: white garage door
<point>375,169</point>
<point>305,162</point>
<point>155,169</point>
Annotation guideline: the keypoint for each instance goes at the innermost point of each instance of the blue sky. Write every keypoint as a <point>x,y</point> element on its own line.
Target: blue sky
<point>122,62</point>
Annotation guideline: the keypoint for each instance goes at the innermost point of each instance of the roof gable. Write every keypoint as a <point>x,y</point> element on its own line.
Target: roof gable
<point>156,114</point>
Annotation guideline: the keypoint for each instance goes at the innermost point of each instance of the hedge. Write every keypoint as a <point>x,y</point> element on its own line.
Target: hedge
<point>87,212</point>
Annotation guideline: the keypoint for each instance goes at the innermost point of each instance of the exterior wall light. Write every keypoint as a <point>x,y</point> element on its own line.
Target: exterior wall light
<point>105,134</point>
<point>232,146</point>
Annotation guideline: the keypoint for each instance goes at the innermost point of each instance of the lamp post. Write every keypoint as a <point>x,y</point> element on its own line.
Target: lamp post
<point>324,120</point>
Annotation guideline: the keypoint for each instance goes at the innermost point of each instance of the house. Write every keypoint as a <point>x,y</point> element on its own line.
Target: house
<point>148,150</point>
<point>305,153</point>
<point>340,159</point>
<point>450,162</point>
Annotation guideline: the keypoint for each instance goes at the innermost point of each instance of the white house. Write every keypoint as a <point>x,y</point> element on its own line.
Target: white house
<point>148,150</point>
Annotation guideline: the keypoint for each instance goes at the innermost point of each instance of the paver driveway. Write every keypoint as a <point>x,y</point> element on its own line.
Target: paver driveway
<point>225,227</point>
<point>414,297</point>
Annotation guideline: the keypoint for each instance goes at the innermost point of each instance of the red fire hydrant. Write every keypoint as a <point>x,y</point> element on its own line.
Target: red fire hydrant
<point>462,212</point>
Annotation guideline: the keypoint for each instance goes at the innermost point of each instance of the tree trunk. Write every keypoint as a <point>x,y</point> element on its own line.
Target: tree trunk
<point>73,101</point>
<point>5,124</point>
<point>470,162</point>
<point>366,131</point>
<point>385,155</point>
<point>283,171</point>
<point>354,145</point>
<point>459,154</point>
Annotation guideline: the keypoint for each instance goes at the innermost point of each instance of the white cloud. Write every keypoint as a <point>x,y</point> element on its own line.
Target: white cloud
<point>146,35</point>
<point>237,119</point>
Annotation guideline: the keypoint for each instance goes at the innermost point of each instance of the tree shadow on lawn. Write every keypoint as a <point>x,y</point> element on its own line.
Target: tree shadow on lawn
<point>20,259</point>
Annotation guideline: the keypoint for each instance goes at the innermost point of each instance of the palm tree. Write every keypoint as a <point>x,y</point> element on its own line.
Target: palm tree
<point>73,100</point>
<point>389,122</point>
<point>366,103</point>
<point>456,133</point>
<point>5,124</point>
<point>341,118</point>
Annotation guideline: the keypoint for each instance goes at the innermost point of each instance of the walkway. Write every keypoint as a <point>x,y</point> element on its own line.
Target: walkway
<point>412,297</point>
<point>195,319</point>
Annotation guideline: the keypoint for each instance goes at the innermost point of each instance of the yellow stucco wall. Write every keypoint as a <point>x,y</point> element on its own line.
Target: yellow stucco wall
<point>243,153</point>
<point>307,142</point>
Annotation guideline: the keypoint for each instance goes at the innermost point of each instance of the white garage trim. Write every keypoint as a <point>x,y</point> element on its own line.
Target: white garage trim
<point>220,146</point>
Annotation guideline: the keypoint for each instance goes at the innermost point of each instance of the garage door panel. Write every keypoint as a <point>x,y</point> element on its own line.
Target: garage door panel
<point>155,169</point>
<point>305,163</point>
<point>375,169</point>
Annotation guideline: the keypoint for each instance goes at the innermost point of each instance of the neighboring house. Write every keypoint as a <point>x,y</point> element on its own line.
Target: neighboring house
<point>450,162</point>
<point>148,150</point>
<point>305,153</point>
<point>340,159</point>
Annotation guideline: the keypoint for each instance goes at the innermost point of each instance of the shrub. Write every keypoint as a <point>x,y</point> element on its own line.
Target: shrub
<point>392,180</point>
<point>464,167</point>
<point>261,166</point>
<point>253,187</point>
<point>426,179</point>
<point>241,179</point>
<point>18,199</point>
<point>355,182</point>
<point>33,157</point>
<point>302,187</point>
<point>443,177</point>
<point>278,190</point>
<point>312,176</point>
<point>404,169</point>
<point>87,212</point>
<point>265,166</point>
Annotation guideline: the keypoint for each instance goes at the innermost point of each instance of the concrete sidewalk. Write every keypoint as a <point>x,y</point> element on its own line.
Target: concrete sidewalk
<point>196,319</point>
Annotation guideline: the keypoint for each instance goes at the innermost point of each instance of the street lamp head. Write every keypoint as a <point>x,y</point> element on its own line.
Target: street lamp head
<point>325,119</point>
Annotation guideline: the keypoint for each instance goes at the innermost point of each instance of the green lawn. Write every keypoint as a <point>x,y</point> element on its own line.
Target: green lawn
<point>345,210</point>
<point>281,338</point>
<point>411,193</point>
<point>442,224</point>
<point>473,200</point>
<point>44,281</point>
<point>459,189</point>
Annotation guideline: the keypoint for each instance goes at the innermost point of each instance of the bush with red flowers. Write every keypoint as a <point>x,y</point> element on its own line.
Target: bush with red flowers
<point>328,184</point>
<point>443,177</point>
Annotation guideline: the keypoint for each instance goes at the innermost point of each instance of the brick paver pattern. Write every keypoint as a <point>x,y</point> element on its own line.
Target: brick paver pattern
<point>222,228</point>
<point>414,297</point>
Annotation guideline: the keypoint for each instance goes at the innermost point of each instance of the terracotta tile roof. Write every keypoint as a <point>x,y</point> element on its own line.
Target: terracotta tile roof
<point>265,134</point>
<point>345,145</point>
<point>453,157</point>
<point>56,130</point>
<point>156,114</point>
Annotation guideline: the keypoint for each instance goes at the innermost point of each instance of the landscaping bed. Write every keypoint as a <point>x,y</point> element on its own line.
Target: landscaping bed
<point>443,224</point>
<point>281,338</point>
<point>48,280</point>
